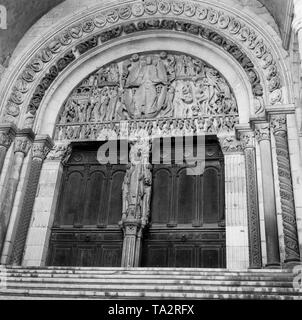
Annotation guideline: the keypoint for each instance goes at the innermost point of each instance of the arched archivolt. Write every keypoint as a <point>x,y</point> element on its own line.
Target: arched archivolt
<point>236,80</point>
<point>235,34</point>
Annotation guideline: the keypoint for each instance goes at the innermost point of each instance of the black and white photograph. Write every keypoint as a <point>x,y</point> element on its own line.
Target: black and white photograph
<point>151,153</point>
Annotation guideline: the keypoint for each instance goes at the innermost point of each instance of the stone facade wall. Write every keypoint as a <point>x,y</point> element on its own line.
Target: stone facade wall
<point>237,228</point>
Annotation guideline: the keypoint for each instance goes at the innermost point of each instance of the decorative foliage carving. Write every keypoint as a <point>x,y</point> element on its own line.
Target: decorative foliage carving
<point>230,144</point>
<point>22,144</point>
<point>278,123</point>
<point>5,139</point>
<point>247,140</point>
<point>60,152</point>
<point>262,132</point>
<point>40,150</point>
<point>250,39</point>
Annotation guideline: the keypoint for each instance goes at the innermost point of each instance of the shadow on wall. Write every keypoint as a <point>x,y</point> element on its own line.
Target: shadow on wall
<point>21,15</point>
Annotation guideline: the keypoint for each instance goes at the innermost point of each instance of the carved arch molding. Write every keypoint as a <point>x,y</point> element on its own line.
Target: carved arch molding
<point>209,23</point>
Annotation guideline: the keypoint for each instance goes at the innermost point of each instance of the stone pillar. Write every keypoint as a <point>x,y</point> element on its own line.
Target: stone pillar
<point>237,251</point>
<point>36,247</point>
<point>7,134</point>
<point>132,243</point>
<point>41,147</point>
<point>269,200</point>
<point>255,255</point>
<point>22,145</point>
<point>292,252</point>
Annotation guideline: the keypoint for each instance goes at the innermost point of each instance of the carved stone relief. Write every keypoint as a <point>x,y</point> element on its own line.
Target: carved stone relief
<point>160,93</point>
<point>200,15</point>
<point>137,184</point>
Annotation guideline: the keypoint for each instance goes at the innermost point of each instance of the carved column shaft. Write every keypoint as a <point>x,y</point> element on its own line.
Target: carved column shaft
<point>22,145</point>
<point>292,252</point>
<point>255,254</point>
<point>269,202</point>
<point>41,147</point>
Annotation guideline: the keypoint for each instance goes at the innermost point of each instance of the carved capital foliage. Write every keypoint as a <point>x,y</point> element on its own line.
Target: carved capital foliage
<point>23,141</point>
<point>22,144</point>
<point>247,140</point>
<point>263,133</point>
<point>41,147</point>
<point>278,123</point>
<point>7,134</point>
<point>60,152</point>
<point>5,139</point>
<point>230,144</point>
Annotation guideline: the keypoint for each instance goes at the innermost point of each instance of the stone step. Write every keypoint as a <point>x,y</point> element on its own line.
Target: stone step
<point>100,272</point>
<point>148,283</point>
<point>91,270</point>
<point>34,275</point>
<point>73,294</point>
<point>179,280</point>
<point>155,287</point>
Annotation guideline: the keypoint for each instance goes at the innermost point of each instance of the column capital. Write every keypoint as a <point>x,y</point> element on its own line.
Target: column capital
<point>262,132</point>
<point>278,123</point>
<point>42,146</point>
<point>230,144</point>
<point>7,134</point>
<point>60,152</point>
<point>247,139</point>
<point>246,135</point>
<point>23,141</point>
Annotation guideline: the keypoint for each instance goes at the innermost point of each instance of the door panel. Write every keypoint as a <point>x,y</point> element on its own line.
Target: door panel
<point>161,199</point>
<point>86,231</point>
<point>186,197</point>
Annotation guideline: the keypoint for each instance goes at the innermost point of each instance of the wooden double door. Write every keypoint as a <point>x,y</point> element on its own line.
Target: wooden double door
<point>187,214</point>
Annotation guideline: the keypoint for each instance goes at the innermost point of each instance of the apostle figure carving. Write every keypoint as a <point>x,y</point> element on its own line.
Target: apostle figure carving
<point>137,184</point>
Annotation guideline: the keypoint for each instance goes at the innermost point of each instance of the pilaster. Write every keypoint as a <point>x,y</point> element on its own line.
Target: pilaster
<point>269,202</point>
<point>247,138</point>
<point>41,148</point>
<point>22,145</point>
<point>36,246</point>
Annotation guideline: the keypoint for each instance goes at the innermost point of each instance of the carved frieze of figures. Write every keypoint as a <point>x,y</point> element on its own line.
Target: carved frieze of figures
<point>164,127</point>
<point>170,93</point>
<point>150,86</point>
<point>137,184</point>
